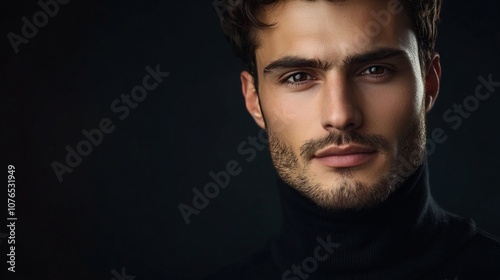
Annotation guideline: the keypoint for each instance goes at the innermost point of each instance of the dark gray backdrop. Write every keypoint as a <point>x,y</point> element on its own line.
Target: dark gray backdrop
<point>116,213</point>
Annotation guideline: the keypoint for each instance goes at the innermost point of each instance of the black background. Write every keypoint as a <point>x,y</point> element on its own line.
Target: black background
<point>119,207</point>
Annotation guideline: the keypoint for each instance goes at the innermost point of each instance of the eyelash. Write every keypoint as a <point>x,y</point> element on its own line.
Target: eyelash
<point>296,84</point>
<point>388,71</point>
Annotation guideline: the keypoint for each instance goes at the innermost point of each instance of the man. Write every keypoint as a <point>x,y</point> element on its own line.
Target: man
<point>342,89</point>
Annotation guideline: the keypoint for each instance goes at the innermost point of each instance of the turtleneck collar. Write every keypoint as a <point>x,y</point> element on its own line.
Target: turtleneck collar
<point>394,240</point>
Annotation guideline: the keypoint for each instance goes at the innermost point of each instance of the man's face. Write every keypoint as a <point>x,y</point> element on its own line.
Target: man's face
<point>341,96</point>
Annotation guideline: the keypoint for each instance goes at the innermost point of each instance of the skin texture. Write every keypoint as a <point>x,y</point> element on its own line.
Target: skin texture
<point>334,99</point>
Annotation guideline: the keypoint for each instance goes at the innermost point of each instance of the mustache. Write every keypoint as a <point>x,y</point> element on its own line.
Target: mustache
<point>374,141</point>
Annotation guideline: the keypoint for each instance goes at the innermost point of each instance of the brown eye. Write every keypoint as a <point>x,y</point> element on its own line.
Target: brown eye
<point>298,77</point>
<point>375,70</point>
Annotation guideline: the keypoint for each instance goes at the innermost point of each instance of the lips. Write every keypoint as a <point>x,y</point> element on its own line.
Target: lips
<point>346,156</point>
<point>346,150</point>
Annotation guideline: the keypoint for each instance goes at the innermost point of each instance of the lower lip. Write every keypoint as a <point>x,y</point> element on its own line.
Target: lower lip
<point>349,160</point>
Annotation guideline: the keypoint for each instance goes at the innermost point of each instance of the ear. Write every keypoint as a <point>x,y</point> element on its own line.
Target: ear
<point>432,81</point>
<point>252,98</point>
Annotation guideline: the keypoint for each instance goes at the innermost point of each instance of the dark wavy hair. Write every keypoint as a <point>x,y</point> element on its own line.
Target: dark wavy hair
<point>239,21</point>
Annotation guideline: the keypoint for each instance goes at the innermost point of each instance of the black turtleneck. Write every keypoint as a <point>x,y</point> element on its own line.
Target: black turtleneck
<point>408,236</point>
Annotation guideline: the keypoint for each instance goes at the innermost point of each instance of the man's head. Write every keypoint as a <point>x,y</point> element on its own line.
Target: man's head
<point>341,87</point>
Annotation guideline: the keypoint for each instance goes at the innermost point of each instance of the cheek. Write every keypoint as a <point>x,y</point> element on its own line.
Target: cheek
<point>288,117</point>
<point>283,122</point>
<point>389,111</point>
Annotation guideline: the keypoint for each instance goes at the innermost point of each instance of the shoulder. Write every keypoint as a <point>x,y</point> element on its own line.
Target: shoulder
<point>478,257</point>
<point>485,245</point>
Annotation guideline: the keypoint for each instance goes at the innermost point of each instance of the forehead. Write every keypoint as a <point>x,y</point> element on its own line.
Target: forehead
<point>331,31</point>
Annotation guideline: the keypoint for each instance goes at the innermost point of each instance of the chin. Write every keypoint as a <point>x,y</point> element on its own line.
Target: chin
<point>348,188</point>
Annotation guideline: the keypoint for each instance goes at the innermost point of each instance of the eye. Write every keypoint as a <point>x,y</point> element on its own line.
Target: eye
<point>297,79</point>
<point>376,71</point>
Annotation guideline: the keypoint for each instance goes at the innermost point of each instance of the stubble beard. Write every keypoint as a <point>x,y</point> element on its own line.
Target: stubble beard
<point>347,192</point>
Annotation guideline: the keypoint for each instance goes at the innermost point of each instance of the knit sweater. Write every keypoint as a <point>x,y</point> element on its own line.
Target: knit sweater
<point>408,236</point>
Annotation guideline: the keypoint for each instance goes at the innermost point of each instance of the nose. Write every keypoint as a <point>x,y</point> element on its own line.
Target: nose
<point>340,108</point>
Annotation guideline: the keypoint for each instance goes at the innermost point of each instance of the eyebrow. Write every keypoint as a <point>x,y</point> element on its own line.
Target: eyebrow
<point>289,62</point>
